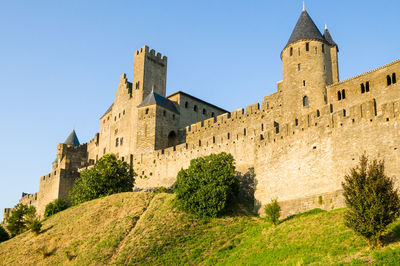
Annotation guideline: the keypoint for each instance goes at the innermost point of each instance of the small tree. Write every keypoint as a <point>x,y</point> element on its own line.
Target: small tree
<point>273,211</point>
<point>207,186</point>
<point>16,223</point>
<point>34,225</point>
<point>108,176</point>
<point>4,236</point>
<point>55,206</point>
<point>372,201</point>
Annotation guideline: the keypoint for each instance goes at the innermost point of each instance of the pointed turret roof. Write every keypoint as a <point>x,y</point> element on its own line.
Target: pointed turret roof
<point>305,29</point>
<point>155,98</point>
<point>328,37</point>
<point>72,139</point>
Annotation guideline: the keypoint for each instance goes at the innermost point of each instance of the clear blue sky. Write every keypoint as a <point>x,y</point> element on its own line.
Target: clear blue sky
<point>60,61</point>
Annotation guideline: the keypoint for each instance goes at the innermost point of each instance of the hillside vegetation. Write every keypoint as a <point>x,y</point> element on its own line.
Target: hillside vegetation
<point>147,228</point>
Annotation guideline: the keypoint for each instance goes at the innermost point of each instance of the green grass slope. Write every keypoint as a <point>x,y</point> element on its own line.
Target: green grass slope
<point>147,228</point>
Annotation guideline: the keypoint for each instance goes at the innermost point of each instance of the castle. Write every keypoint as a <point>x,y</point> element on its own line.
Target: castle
<point>297,145</point>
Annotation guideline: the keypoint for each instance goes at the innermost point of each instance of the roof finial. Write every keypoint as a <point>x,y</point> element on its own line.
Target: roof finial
<point>304,6</point>
<point>326,26</point>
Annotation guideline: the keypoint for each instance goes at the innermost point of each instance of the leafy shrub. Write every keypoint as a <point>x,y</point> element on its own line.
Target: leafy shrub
<point>55,206</point>
<point>372,201</point>
<point>273,211</point>
<point>207,186</point>
<point>4,236</point>
<point>163,190</point>
<point>20,214</point>
<point>34,225</point>
<point>108,176</point>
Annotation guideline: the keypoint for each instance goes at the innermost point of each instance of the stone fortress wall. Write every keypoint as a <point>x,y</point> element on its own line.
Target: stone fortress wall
<point>296,145</point>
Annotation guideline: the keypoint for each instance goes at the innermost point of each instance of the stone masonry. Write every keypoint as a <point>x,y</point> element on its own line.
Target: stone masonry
<point>298,144</point>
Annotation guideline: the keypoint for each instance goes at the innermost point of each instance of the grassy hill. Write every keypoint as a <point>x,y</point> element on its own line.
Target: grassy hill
<point>147,228</point>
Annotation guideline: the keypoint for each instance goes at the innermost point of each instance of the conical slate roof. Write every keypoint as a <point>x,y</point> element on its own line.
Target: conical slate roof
<point>305,29</point>
<point>155,98</point>
<point>72,139</point>
<point>329,38</point>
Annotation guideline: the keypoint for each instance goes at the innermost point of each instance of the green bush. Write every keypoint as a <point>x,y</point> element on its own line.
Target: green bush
<point>20,214</point>
<point>55,206</point>
<point>4,236</point>
<point>108,176</point>
<point>273,211</point>
<point>372,201</point>
<point>207,186</point>
<point>34,225</point>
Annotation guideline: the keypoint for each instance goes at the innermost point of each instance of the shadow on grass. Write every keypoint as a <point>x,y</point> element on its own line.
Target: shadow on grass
<point>392,237</point>
<point>47,229</point>
<point>303,214</point>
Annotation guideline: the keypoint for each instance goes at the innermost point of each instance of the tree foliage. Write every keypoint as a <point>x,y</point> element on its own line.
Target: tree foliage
<point>372,201</point>
<point>35,225</point>
<point>207,186</point>
<point>273,211</point>
<point>4,236</point>
<point>17,221</point>
<point>55,206</point>
<point>108,176</point>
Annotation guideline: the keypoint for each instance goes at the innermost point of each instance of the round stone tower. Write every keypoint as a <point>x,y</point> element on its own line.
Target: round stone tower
<point>309,62</point>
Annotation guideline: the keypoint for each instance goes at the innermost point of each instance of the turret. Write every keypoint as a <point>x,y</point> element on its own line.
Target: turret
<point>309,65</point>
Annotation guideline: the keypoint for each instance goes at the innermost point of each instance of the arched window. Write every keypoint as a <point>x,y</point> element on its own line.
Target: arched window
<point>318,113</point>
<point>339,95</point>
<point>296,122</point>
<point>195,108</point>
<point>394,78</point>
<point>147,111</point>
<point>388,80</point>
<point>367,86</point>
<point>343,94</point>
<point>305,101</point>
<point>186,104</point>
<point>172,139</point>
<point>362,88</point>
<point>204,111</point>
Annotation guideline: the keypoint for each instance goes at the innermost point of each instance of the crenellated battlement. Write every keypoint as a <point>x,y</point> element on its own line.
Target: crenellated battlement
<point>145,50</point>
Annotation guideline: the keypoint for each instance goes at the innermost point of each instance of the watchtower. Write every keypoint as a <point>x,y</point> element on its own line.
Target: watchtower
<point>309,62</point>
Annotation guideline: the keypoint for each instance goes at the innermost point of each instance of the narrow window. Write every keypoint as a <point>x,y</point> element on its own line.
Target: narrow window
<point>131,160</point>
<point>276,125</point>
<point>262,127</point>
<point>388,80</point>
<point>115,118</point>
<point>296,122</point>
<point>394,78</point>
<point>119,115</point>
<point>305,101</point>
<point>122,158</point>
<point>291,51</point>
<point>316,50</point>
<point>173,117</point>
<point>367,86</point>
<point>164,113</point>
<point>147,111</point>
<point>186,104</point>
<point>343,94</point>
<point>298,67</point>
<point>123,112</point>
<point>318,113</point>
<point>323,48</point>
<point>116,142</point>
<point>121,141</point>
<point>304,83</point>
<point>307,46</point>
<point>195,108</point>
<point>344,112</point>
<point>331,108</point>
<point>212,114</point>
<point>204,111</point>
<point>137,85</point>
<point>104,151</point>
<point>213,139</point>
<point>244,132</point>
<point>229,135</point>
<point>362,88</point>
<point>339,95</point>
<point>199,143</point>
